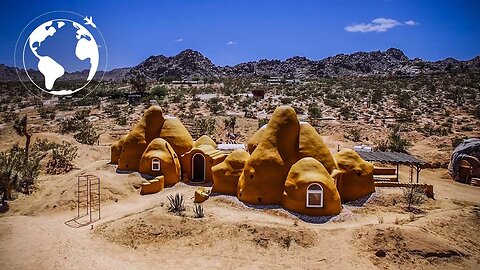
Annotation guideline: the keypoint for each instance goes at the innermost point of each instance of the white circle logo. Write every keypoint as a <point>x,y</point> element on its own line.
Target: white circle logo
<point>61,52</point>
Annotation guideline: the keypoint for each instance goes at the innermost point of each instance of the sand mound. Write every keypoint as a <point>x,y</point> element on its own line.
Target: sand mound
<point>157,229</point>
<point>408,247</point>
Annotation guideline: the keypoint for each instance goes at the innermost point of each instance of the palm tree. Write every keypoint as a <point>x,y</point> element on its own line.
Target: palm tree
<point>20,126</point>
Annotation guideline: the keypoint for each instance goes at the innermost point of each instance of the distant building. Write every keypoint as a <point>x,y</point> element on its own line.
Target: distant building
<point>281,80</point>
<point>134,98</point>
<point>189,82</point>
<point>294,81</point>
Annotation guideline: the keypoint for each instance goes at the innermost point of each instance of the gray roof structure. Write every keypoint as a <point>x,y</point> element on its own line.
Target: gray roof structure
<point>391,157</point>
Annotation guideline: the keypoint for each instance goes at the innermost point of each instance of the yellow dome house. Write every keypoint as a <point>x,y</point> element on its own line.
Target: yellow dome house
<point>287,163</point>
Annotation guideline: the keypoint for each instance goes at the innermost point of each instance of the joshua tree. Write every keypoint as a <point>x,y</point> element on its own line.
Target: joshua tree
<point>20,126</point>
<point>230,123</point>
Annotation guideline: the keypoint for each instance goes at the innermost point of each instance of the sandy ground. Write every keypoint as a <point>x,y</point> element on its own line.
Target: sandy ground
<point>137,232</point>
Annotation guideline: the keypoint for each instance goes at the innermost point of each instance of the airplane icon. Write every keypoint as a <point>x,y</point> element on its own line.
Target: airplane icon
<point>89,21</point>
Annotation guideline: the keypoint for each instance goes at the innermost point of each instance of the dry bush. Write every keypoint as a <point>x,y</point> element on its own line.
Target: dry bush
<point>413,196</point>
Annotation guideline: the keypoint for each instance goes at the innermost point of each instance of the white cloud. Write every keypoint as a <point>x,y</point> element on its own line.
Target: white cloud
<point>231,43</point>
<point>377,25</point>
<point>410,22</point>
<point>179,40</point>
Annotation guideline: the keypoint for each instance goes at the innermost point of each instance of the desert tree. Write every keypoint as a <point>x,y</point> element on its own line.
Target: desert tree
<point>138,80</point>
<point>21,127</point>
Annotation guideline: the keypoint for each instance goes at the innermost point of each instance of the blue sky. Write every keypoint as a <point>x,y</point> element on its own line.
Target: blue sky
<point>230,32</point>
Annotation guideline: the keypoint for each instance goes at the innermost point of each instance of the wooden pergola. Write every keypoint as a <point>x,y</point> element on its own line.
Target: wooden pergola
<point>396,158</point>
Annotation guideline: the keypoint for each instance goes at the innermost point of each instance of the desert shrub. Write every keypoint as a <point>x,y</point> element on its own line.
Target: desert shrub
<point>137,79</point>
<point>476,112</point>
<point>70,125</point>
<point>17,171</point>
<point>314,111</point>
<point>331,102</point>
<point>286,100</point>
<point>395,142</point>
<point>377,95</point>
<point>198,210</point>
<point>121,119</point>
<point>81,114</point>
<point>466,128</point>
<point>47,112</point>
<point>403,99</point>
<point>177,98</point>
<point>112,110</point>
<point>87,135</point>
<point>262,122</point>
<point>353,134</point>
<point>115,111</point>
<point>347,112</point>
<point>215,105</point>
<point>62,157</point>
<point>430,130</point>
<point>205,125</point>
<point>413,195</point>
<point>43,145</point>
<point>8,117</point>
<point>194,105</point>
<point>158,92</point>
<point>176,203</point>
<point>75,123</point>
<point>84,131</point>
<point>456,141</point>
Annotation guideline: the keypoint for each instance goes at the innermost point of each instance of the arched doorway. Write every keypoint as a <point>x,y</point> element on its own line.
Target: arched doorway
<point>198,168</point>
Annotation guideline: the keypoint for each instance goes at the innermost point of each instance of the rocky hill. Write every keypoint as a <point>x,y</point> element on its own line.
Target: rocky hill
<point>187,64</point>
<point>190,64</point>
<point>9,74</point>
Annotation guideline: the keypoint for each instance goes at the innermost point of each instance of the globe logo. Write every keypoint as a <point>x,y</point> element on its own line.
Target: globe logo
<point>60,56</point>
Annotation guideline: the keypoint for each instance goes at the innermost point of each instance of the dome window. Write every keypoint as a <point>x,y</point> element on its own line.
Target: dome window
<point>155,164</point>
<point>315,195</point>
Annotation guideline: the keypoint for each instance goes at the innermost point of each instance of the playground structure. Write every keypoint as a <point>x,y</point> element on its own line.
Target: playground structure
<point>88,197</point>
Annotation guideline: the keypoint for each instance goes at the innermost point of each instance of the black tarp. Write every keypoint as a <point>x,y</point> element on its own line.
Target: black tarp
<point>470,147</point>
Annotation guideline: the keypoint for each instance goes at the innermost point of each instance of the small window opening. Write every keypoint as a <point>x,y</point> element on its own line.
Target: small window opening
<point>155,164</point>
<point>315,196</point>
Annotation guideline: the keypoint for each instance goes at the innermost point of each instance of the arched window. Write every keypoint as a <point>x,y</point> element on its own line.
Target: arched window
<point>314,195</point>
<point>155,164</point>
